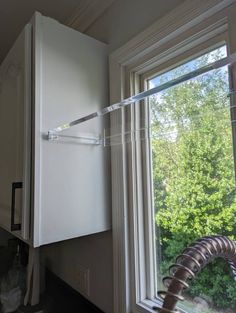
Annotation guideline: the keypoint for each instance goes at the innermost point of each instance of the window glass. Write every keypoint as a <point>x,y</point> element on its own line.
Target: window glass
<point>190,66</point>
<point>193,176</point>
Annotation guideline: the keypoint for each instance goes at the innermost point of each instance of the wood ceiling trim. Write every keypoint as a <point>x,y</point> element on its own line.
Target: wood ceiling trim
<point>87,12</point>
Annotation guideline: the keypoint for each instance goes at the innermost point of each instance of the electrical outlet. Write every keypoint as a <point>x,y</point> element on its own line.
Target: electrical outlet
<point>83,280</point>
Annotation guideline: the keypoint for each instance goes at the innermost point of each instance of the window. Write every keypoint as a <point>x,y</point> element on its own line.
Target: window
<point>179,39</point>
<point>193,175</point>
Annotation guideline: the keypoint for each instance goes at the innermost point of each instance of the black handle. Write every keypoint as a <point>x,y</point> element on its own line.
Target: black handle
<point>15,186</point>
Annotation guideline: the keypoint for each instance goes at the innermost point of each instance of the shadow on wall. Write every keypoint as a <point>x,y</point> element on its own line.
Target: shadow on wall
<point>85,264</point>
<point>4,236</point>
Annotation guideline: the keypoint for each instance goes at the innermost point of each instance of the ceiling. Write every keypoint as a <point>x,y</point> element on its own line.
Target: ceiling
<point>83,15</point>
<point>14,14</point>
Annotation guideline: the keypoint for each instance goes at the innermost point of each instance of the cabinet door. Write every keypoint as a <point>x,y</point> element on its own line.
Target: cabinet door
<point>15,137</point>
<point>71,187</point>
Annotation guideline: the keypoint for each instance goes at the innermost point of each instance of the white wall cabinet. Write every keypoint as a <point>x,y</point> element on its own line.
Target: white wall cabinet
<point>52,191</point>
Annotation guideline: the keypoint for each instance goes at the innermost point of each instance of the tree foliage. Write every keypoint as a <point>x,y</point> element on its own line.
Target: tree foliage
<point>193,173</point>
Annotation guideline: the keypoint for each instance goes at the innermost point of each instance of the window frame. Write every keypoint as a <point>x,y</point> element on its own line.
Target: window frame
<point>177,37</point>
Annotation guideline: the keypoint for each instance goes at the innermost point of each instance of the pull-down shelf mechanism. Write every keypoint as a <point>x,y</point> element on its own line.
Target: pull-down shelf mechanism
<point>54,134</point>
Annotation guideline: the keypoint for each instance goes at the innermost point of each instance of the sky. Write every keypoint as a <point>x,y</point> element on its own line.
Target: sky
<point>189,66</point>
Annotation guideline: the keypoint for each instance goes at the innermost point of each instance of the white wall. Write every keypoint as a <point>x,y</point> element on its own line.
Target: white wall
<point>92,252</point>
<point>123,20</point>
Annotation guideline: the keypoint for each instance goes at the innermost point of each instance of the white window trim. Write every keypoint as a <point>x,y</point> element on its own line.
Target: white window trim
<point>127,65</point>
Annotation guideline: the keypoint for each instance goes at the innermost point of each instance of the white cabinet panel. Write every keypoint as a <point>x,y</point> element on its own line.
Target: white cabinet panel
<point>14,134</point>
<point>71,199</point>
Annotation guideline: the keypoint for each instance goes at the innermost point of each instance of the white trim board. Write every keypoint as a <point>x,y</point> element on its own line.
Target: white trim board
<point>86,13</point>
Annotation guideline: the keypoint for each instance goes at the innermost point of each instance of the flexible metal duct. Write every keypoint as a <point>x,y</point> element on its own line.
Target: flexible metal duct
<point>190,263</point>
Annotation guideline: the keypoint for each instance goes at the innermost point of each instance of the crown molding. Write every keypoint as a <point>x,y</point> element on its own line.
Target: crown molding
<point>86,13</point>
<point>168,27</point>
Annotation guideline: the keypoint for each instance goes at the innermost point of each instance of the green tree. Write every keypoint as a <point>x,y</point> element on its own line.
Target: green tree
<point>193,173</point>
